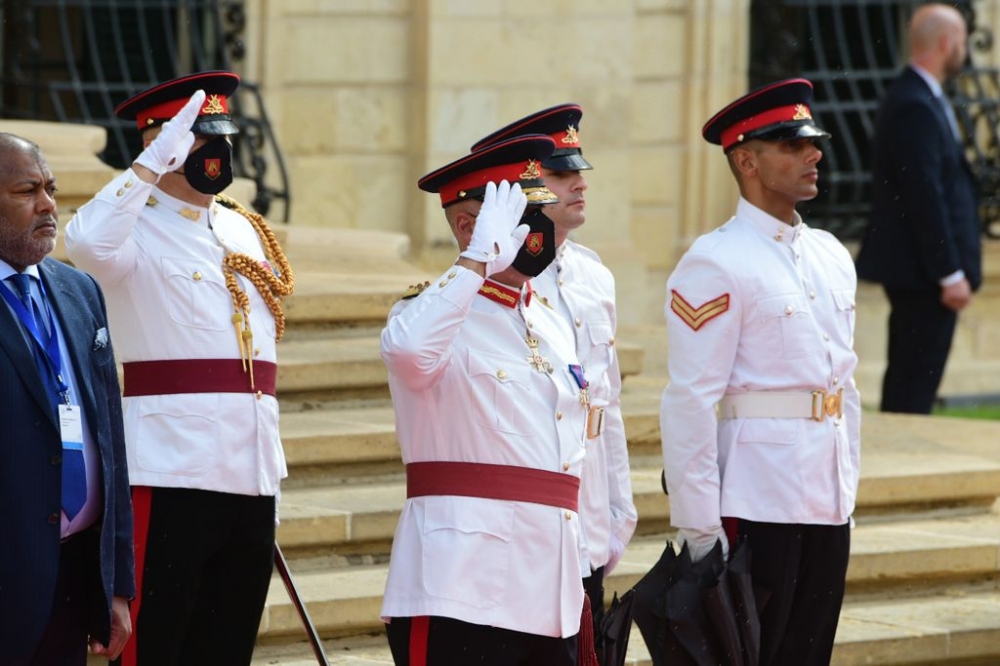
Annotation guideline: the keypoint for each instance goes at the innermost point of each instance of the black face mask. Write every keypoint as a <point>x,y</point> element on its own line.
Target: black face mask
<point>539,249</point>
<point>210,168</point>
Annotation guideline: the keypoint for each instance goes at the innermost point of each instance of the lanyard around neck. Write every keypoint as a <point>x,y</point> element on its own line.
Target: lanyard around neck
<point>50,346</point>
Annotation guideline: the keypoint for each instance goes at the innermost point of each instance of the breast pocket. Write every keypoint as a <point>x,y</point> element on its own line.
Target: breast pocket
<point>788,322</point>
<point>843,301</point>
<point>600,351</point>
<point>501,384</point>
<point>196,295</point>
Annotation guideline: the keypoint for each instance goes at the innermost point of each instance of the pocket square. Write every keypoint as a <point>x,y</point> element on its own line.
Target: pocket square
<point>101,339</point>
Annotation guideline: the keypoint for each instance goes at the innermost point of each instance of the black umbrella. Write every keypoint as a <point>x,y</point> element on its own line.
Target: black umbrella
<point>612,629</point>
<point>701,613</point>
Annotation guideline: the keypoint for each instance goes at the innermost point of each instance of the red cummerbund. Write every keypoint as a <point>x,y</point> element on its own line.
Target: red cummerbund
<point>197,375</point>
<point>502,482</point>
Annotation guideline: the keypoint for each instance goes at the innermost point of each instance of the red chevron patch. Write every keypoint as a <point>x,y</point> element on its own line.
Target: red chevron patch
<point>696,317</point>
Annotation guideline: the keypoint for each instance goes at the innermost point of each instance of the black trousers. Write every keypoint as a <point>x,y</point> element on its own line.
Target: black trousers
<point>203,566</point>
<point>593,585</point>
<point>444,641</point>
<point>803,569</point>
<point>920,333</point>
<point>77,597</point>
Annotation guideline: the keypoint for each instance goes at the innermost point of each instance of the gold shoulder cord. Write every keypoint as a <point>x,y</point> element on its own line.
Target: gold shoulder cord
<point>273,285</point>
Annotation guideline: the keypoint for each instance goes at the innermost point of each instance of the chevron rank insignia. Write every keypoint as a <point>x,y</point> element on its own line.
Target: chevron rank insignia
<point>696,317</point>
<point>414,290</point>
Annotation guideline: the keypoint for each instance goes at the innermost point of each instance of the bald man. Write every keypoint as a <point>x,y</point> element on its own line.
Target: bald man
<point>923,240</point>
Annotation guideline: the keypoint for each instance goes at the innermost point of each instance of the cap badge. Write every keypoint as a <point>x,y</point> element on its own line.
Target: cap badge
<point>802,112</point>
<point>571,135</point>
<point>213,106</point>
<point>531,171</point>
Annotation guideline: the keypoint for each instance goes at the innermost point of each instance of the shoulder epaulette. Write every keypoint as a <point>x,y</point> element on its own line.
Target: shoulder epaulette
<point>414,290</point>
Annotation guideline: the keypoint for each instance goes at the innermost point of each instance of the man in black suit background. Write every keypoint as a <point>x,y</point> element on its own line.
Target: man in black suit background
<point>66,561</point>
<point>923,242</point>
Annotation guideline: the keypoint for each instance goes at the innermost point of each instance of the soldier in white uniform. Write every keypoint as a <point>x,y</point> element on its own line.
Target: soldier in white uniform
<point>194,285</point>
<point>760,320</point>
<point>582,290</point>
<point>485,565</point>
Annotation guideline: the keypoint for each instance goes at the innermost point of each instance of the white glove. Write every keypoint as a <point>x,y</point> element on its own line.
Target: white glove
<point>616,550</point>
<point>701,543</point>
<point>171,145</point>
<point>498,235</point>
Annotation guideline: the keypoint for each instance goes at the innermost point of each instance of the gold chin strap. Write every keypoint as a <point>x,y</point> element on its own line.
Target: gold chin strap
<point>273,282</point>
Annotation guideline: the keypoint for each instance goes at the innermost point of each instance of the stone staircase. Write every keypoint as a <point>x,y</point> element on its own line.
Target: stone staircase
<point>924,577</point>
<point>923,580</point>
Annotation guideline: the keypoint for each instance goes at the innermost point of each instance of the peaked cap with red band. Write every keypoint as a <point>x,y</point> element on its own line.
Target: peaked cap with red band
<point>155,106</point>
<point>777,112</point>
<point>562,123</point>
<point>515,160</point>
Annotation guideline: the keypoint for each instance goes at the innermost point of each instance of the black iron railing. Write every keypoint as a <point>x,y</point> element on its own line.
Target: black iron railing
<point>75,60</point>
<point>852,50</point>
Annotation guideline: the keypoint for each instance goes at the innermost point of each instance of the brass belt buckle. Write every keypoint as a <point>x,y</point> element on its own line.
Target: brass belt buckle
<point>825,404</point>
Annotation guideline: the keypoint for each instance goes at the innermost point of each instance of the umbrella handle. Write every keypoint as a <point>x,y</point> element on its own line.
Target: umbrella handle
<point>293,594</point>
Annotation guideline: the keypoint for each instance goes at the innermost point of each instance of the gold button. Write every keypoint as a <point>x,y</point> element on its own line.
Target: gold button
<point>789,310</point>
<point>443,283</point>
<point>578,322</point>
<point>128,184</point>
<point>560,282</point>
<point>565,466</point>
<point>260,394</point>
<point>502,374</point>
<point>558,416</point>
<point>256,351</point>
<point>812,294</point>
<point>528,324</point>
<point>196,275</point>
<point>611,342</point>
<point>836,380</point>
<point>826,337</point>
<point>452,275</point>
<point>120,192</point>
<point>569,516</point>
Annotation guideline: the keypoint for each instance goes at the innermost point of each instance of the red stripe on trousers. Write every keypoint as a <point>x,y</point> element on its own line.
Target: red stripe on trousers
<point>419,631</point>
<point>142,501</point>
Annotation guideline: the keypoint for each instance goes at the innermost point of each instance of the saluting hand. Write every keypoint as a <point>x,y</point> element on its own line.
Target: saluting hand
<point>497,236</point>
<point>170,147</point>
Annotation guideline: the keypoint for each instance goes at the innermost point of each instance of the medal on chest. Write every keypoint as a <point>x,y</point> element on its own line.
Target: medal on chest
<point>582,383</point>
<point>535,358</point>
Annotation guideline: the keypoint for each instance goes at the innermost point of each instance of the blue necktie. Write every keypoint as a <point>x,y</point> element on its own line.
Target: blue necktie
<point>74,471</point>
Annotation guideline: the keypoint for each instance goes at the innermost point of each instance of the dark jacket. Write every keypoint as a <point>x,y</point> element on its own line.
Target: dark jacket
<point>30,472</point>
<point>925,221</point>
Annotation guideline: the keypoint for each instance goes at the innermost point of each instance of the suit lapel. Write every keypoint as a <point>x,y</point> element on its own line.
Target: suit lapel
<point>15,347</point>
<point>73,319</point>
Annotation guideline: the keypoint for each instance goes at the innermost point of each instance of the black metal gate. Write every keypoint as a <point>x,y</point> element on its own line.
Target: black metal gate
<point>852,50</point>
<point>76,60</point>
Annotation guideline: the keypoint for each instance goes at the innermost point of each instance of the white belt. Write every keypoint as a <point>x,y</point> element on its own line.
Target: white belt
<point>815,405</point>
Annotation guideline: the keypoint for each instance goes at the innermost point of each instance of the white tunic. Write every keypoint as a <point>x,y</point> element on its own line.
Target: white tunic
<point>582,290</point>
<point>789,326</point>
<point>464,391</point>
<point>167,300</point>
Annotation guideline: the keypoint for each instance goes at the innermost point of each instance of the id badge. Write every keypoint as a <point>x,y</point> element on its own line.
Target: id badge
<point>71,427</point>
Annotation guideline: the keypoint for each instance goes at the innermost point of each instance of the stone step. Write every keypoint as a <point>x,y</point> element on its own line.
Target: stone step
<point>328,445</point>
<point>347,362</point>
<point>346,516</point>
<point>952,551</point>
<point>957,627</point>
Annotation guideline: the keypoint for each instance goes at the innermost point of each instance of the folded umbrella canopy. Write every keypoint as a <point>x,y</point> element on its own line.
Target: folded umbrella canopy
<point>612,629</point>
<point>698,614</point>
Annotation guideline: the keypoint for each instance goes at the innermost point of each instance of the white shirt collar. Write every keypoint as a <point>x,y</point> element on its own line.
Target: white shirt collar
<point>6,270</point>
<point>931,82</point>
<point>768,224</point>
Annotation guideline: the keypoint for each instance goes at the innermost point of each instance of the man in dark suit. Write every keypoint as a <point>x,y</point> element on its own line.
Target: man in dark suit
<point>923,242</point>
<point>66,562</point>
